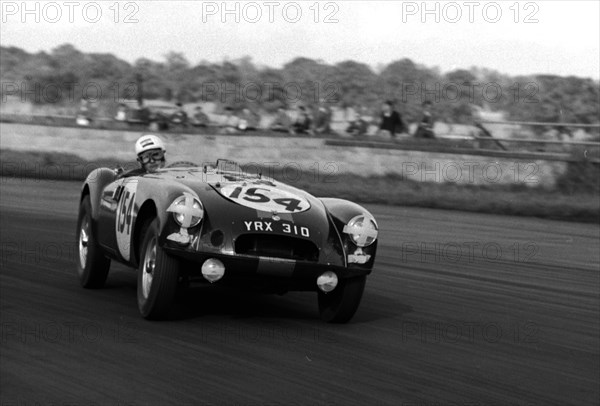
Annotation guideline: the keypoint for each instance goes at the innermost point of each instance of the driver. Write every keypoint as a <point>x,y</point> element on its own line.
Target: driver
<point>150,152</point>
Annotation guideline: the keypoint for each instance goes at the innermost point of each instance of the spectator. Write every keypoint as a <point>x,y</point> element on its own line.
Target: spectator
<point>282,122</point>
<point>425,127</point>
<point>180,117</point>
<point>249,120</point>
<point>231,122</point>
<point>391,122</point>
<point>140,114</point>
<point>323,120</point>
<point>121,112</point>
<point>200,119</point>
<point>359,125</point>
<point>303,122</point>
<point>158,121</point>
<point>83,117</point>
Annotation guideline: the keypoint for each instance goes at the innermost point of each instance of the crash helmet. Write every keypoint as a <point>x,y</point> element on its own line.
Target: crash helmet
<point>148,142</point>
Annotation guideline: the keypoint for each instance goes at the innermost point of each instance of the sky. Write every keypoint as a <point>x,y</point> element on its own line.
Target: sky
<point>512,37</point>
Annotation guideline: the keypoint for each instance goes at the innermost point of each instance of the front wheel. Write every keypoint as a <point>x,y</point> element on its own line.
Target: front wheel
<point>158,274</point>
<point>339,305</point>
<point>92,265</point>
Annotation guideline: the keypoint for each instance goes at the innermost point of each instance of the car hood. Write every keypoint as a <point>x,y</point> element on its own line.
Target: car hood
<point>241,204</point>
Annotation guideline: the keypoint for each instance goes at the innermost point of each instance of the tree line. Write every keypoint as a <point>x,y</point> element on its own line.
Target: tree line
<point>65,73</point>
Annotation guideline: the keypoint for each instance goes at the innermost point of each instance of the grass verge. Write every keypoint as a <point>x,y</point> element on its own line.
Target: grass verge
<point>575,198</point>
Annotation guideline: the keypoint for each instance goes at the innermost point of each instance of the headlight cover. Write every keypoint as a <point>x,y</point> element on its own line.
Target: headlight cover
<point>187,210</point>
<point>362,229</point>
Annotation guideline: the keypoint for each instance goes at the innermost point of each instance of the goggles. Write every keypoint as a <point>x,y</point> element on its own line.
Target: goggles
<point>151,156</point>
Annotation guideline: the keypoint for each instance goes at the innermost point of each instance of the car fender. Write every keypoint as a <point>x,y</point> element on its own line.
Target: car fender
<point>343,210</point>
<point>94,184</point>
<point>160,198</point>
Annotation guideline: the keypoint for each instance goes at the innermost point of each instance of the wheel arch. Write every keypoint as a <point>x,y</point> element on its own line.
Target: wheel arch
<point>93,186</point>
<point>147,212</point>
<point>85,191</point>
<point>343,210</point>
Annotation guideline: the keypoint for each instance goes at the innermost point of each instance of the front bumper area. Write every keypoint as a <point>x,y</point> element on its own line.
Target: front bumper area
<point>245,270</point>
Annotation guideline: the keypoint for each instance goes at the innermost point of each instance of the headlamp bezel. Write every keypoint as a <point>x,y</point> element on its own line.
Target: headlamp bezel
<point>180,217</point>
<point>356,238</point>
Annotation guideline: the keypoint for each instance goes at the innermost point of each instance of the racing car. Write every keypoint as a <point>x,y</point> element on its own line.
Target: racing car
<point>218,224</point>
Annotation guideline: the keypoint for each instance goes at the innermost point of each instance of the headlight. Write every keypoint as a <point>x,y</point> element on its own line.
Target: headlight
<point>187,210</point>
<point>362,229</point>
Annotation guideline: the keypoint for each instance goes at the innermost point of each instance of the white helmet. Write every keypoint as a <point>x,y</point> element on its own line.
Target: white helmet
<point>148,142</point>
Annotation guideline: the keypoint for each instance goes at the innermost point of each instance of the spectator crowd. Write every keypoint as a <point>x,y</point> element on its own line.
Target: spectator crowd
<point>300,120</point>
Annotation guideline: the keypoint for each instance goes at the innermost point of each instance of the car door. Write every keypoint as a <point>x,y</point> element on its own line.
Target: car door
<point>115,217</point>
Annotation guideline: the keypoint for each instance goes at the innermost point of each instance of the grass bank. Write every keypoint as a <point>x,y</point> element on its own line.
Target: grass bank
<point>576,196</point>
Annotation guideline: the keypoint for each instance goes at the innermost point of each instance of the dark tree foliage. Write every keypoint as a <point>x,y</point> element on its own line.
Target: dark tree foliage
<point>61,75</point>
<point>354,83</point>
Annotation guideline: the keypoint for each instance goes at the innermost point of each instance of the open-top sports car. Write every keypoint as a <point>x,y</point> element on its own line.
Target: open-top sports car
<point>218,224</point>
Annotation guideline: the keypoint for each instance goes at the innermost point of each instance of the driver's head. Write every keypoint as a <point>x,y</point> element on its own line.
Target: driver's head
<point>150,152</point>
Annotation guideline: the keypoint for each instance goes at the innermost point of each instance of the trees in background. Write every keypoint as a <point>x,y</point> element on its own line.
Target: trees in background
<point>65,74</point>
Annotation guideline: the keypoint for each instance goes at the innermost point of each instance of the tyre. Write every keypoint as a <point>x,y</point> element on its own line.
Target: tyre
<point>339,305</point>
<point>92,265</point>
<point>158,275</point>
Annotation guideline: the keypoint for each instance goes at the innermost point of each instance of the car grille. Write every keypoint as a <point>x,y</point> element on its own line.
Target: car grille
<point>276,246</point>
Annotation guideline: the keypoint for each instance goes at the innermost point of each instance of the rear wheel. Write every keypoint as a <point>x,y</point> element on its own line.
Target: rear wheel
<point>339,305</point>
<point>92,265</point>
<point>158,274</point>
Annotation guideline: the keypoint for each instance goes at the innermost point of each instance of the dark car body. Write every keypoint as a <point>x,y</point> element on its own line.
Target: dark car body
<point>266,234</point>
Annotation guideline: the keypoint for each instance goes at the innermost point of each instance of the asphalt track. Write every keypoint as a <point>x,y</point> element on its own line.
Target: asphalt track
<point>461,309</point>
